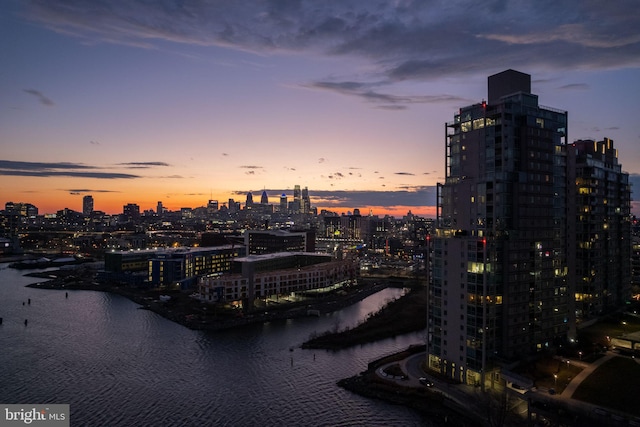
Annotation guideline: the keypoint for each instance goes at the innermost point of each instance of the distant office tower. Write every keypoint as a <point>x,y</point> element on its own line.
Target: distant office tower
<point>87,205</point>
<point>297,200</point>
<point>249,201</point>
<point>601,208</point>
<point>306,202</point>
<point>499,286</point>
<point>212,205</point>
<point>283,203</point>
<point>159,208</point>
<point>264,199</point>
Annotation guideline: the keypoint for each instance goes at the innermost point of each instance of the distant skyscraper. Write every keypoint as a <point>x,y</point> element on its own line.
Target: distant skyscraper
<point>306,202</point>
<point>283,203</point>
<point>159,208</point>
<point>87,205</point>
<point>249,201</point>
<point>212,205</point>
<point>296,206</point>
<point>499,288</point>
<point>601,208</point>
<point>264,199</point>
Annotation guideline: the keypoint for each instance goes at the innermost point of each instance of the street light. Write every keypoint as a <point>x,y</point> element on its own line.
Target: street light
<point>555,379</point>
<point>580,355</point>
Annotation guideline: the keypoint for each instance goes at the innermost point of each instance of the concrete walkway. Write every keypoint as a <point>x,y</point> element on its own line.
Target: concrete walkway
<point>588,368</point>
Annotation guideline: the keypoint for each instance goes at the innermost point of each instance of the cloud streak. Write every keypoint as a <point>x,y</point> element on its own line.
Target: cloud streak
<point>43,169</point>
<point>143,165</point>
<point>43,99</point>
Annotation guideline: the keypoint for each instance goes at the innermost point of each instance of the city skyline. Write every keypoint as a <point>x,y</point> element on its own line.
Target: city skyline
<point>182,103</point>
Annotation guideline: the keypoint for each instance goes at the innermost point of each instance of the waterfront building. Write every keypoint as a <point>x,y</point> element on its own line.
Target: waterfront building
<point>601,208</point>
<point>499,289</point>
<point>87,205</point>
<point>181,268</point>
<point>275,275</point>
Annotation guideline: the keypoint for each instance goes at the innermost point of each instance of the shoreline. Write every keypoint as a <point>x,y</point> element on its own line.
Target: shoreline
<point>423,400</point>
<point>181,308</point>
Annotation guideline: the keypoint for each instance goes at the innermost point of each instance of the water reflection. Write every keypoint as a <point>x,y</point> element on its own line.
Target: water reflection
<point>118,365</point>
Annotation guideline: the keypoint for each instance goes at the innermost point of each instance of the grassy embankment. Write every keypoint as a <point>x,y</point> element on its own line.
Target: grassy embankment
<point>403,315</point>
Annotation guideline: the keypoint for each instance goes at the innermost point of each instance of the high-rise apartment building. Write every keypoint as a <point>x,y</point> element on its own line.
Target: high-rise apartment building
<point>499,286</point>
<point>601,207</point>
<point>87,205</point>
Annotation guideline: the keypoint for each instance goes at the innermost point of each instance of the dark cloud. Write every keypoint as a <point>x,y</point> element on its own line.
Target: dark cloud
<point>404,173</point>
<point>94,142</point>
<point>43,99</point>
<point>37,166</point>
<point>322,160</point>
<point>87,190</point>
<point>365,92</point>
<point>402,40</point>
<point>336,175</point>
<point>143,165</point>
<point>250,167</point>
<point>41,169</point>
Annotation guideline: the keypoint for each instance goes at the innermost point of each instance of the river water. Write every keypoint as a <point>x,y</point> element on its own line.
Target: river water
<point>117,365</point>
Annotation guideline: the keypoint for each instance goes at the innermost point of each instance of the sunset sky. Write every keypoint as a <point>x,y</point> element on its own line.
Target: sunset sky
<point>134,101</point>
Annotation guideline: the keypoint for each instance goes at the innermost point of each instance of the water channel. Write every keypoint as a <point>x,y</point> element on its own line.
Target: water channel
<point>117,365</point>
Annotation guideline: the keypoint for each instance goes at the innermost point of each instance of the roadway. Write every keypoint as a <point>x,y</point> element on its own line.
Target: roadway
<point>471,397</point>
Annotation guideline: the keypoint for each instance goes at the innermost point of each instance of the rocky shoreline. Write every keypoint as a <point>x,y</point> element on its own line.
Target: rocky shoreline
<point>421,399</point>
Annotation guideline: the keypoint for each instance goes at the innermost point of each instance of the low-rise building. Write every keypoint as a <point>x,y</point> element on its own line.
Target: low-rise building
<point>182,267</point>
<point>264,276</point>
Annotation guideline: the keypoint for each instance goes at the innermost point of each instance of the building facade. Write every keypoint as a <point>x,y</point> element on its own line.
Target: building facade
<point>499,288</point>
<point>181,268</point>
<point>277,274</point>
<point>260,242</point>
<point>602,207</point>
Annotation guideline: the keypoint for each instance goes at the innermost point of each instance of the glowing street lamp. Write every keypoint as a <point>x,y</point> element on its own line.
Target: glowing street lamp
<point>555,379</point>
